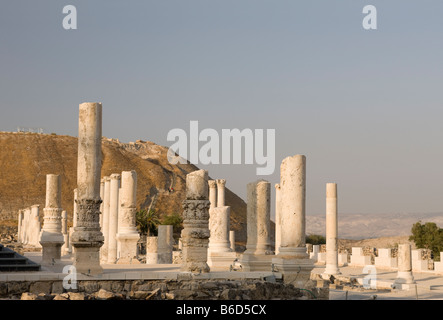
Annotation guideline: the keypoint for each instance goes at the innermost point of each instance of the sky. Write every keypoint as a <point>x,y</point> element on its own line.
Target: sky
<point>363,106</point>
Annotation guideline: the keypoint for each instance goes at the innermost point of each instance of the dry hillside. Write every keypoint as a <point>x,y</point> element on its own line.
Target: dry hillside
<point>26,158</point>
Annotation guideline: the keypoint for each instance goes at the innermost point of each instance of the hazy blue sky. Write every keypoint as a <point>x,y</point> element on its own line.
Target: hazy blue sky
<point>365,107</point>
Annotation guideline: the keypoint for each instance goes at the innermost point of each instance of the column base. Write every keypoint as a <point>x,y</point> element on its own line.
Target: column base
<point>296,271</point>
<point>128,248</point>
<point>51,246</point>
<point>404,277</point>
<point>221,261</point>
<point>331,271</point>
<point>87,259</point>
<point>256,262</point>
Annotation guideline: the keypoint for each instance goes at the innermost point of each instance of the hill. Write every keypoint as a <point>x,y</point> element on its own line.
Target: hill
<point>26,158</point>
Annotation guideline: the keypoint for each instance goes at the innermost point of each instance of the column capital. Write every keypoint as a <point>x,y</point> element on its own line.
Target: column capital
<point>212,184</point>
<point>221,182</point>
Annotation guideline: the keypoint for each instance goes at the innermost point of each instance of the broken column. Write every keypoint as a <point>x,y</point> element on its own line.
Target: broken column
<point>221,192</point>
<point>151,250</point>
<point>257,256</point>
<point>331,231</point>
<point>195,233</point>
<point>51,237</point>
<point>277,218</point>
<point>87,237</point>
<point>128,235</point>
<point>105,219</point>
<point>404,274</point>
<point>113,218</point>
<point>165,244</point>
<point>293,260</point>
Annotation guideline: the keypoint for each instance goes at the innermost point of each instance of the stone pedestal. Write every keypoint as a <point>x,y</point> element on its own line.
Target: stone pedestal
<point>51,236</point>
<point>113,218</point>
<point>258,255</point>
<point>87,237</point>
<point>293,260</point>
<point>331,231</point>
<point>404,275</point>
<point>128,235</point>
<point>195,233</point>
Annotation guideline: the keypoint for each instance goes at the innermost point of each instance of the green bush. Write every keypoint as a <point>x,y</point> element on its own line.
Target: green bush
<point>147,222</point>
<point>428,236</point>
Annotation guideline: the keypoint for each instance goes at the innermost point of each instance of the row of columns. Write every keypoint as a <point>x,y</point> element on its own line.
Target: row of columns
<point>118,218</point>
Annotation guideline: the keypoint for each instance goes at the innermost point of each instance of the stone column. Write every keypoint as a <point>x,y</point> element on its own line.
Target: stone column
<point>34,226</point>
<point>151,250</point>
<point>195,233</point>
<point>74,222</point>
<point>221,192</point>
<point>20,230</point>
<point>165,244</point>
<point>102,194</point>
<point>258,217</point>
<point>277,218</point>
<point>113,218</point>
<point>404,275</point>
<point>219,229</point>
<point>212,193</point>
<point>65,246</point>
<point>257,255</point>
<point>105,213</point>
<point>51,237</point>
<point>232,240</point>
<point>293,260</point>
<point>331,231</point>
<point>128,235</point>
<point>87,237</point>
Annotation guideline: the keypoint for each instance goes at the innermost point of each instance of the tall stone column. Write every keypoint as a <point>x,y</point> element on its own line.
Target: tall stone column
<point>331,231</point>
<point>20,228</point>
<point>105,219</point>
<point>277,218</point>
<point>257,255</point>
<point>113,218</point>
<point>258,217</point>
<point>221,192</point>
<point>404,274</point>
<point>293,260</point>
<point>128,235</point>
<point>195,233</point>
<point>51,237</point>
<point>212,193</point>
<point>87,237</point>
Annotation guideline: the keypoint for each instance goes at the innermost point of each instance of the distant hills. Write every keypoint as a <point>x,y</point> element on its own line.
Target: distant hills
<point>26,158</point>
<point>365,226</point>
